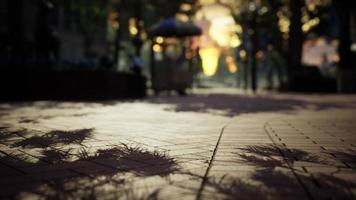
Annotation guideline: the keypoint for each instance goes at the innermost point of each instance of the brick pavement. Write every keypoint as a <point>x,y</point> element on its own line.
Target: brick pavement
<point>215,144</point>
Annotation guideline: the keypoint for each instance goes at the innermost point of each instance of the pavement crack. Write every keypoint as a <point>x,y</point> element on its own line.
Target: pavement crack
<point>206,175</point>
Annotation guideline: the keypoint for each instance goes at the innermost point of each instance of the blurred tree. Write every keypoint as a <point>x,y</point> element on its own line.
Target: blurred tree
<point>129,18</point>
<point>305,16</point>
<point>284,23</point>
<point>89,15</point>
<point>260,24</point>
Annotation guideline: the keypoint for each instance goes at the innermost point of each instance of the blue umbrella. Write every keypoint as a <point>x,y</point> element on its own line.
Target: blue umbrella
<point>172,27</point>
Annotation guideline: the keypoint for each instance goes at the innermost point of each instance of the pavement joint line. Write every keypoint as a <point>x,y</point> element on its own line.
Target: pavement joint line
<point>205,178</point>
<point>10,166</point>
<point>305,188</point>
<point>332,135</point>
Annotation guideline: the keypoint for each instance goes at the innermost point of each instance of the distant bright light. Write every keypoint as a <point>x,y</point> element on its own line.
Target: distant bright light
<point>206,2</point>
<point>310,24</point>
<point>263,10</point>
<point>157,48</point>
<point>314,52</point>
<point>353,47</point>
<point>232,67</point>
<point>182,17</point>
<point>133,30</point>
<point>235,41</point>
<point>186,7</point>
<point>210,59</point>
<point>283,23</point>
<point>159,40</point>
<point>222,27</point>
<point>243,54</point>
<point>132,26</point>
<point>222,31</point>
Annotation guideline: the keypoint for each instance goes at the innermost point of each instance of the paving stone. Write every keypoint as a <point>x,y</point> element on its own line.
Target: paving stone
<point>263,153</point>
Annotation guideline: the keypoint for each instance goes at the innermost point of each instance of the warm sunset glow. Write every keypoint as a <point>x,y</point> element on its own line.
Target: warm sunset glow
<point>231,65</point>
<point>222,31</point>
<point>220,27</point>
<point>210,58</point>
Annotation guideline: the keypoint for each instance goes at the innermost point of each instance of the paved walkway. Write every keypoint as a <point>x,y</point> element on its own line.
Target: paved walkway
<point>215,144</point>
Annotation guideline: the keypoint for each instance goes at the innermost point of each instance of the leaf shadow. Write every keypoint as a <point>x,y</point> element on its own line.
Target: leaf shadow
<point>56,137</point>
<point>276,176</point>
<point>82,173</point>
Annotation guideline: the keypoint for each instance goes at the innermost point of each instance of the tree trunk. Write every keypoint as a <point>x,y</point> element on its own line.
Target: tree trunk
<point>254,49</point>
<point>345,77</point>
<point>295,42</point>
<point>344,34</point>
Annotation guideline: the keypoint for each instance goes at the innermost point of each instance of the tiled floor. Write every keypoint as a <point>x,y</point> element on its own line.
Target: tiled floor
<point>211,145</point>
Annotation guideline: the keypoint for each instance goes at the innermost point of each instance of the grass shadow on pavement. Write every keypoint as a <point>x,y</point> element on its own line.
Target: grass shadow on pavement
<point>346,156</point>
<point>277,174</point>
<point>62,172</point>
<point>135,159</point>
<point>56,137</point>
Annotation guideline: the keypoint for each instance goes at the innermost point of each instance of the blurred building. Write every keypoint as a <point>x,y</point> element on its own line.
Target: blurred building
<point>19,24</point>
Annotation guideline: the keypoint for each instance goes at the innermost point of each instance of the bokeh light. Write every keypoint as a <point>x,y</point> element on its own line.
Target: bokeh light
<point>210,59</point>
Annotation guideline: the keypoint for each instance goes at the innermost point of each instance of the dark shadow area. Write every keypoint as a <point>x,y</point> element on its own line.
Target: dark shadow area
<point>269,156</point>
<point>307,76</point>
<point>56,137</point>
<point>233,188</point>
<point>4,134</point>
<point>235,104</point>
<point>38,118</point>
<point>69,85</point>
<point>43,105</point>
<point>348,157</point>
<point>316,184</point>
<point>6,109</point>
<point>273,185</point>
<point>55,156</point>
<point>136,159</point>
<point>35,119</point>
<point>78,173</point>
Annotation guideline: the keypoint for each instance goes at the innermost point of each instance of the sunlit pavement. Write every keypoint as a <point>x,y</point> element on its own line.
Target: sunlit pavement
<point>214,144</point>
